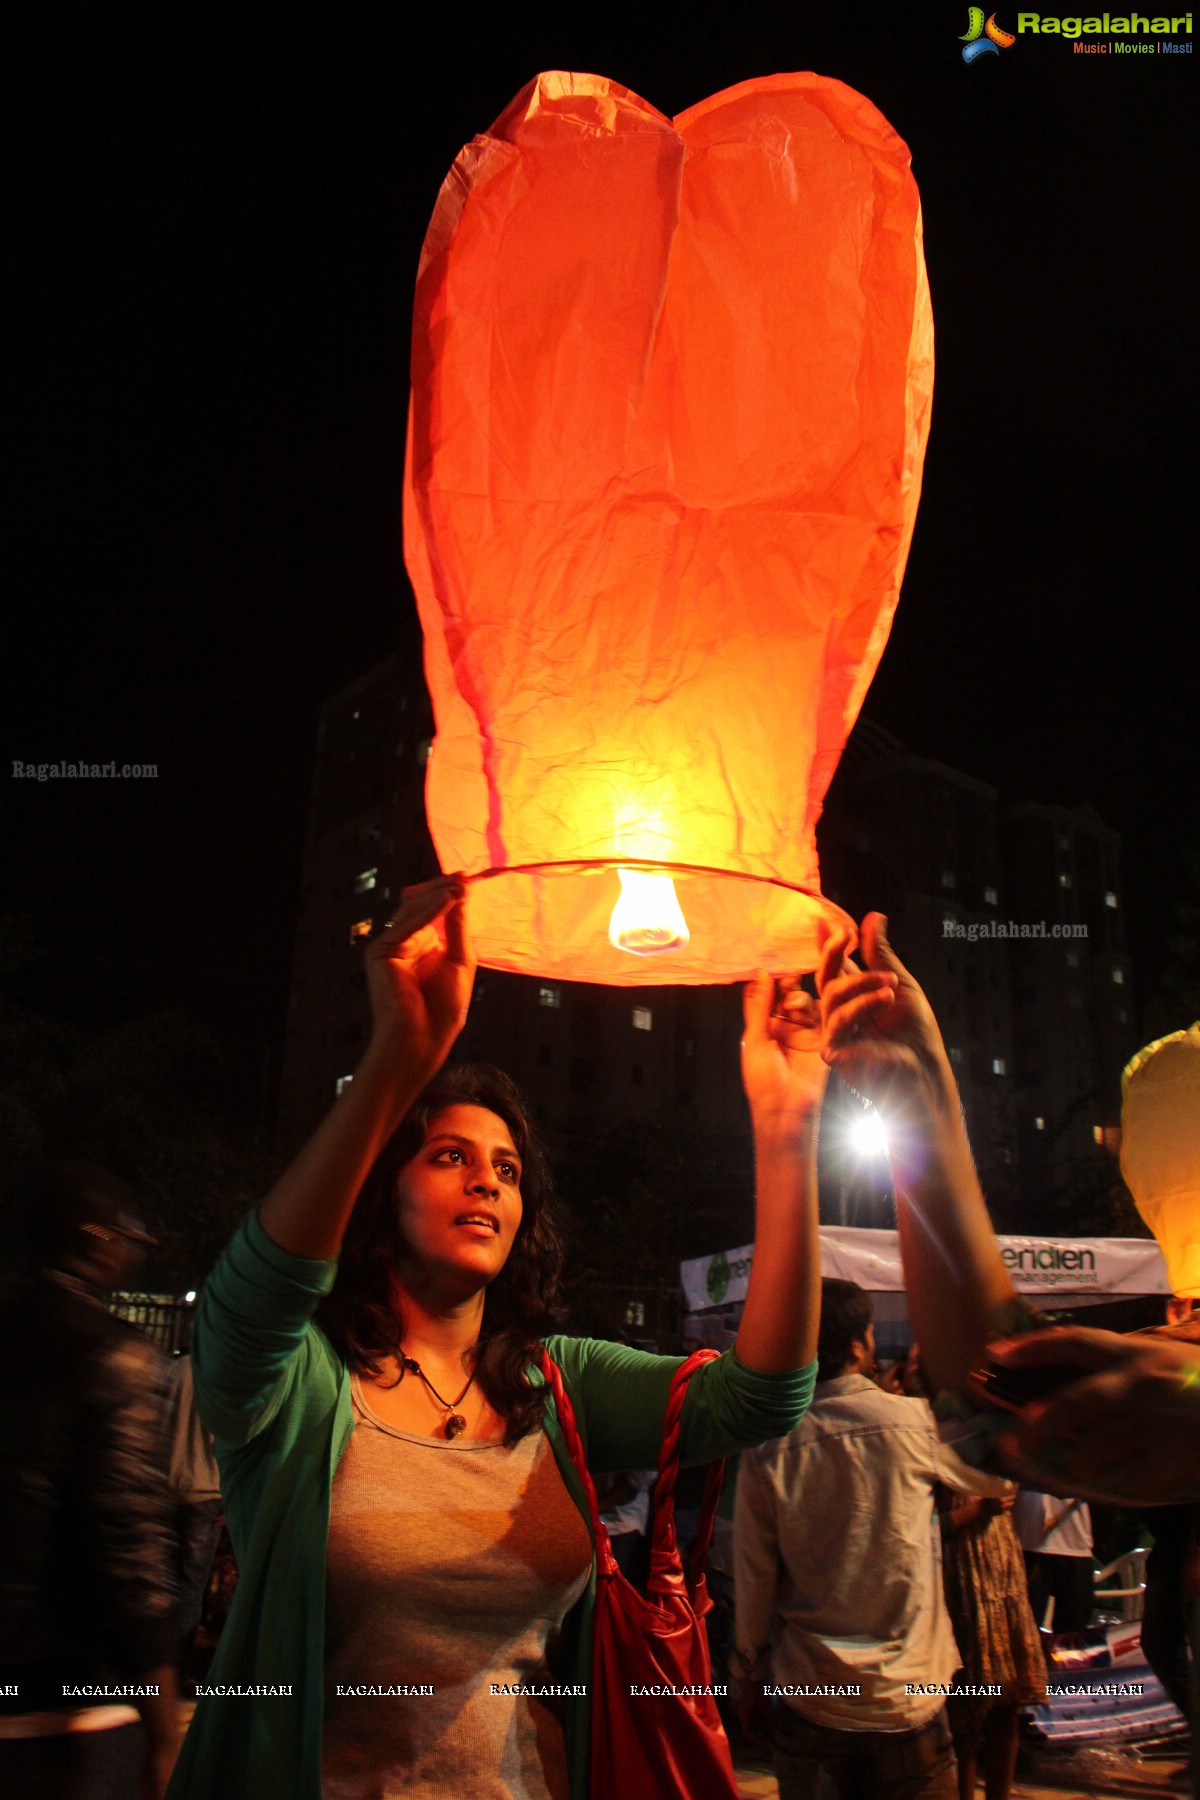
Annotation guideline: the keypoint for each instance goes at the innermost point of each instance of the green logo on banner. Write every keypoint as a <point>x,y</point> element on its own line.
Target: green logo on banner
<point>718,1278</point>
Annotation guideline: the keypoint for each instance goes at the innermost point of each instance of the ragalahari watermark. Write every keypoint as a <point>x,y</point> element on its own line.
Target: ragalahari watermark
<point>1009,928</point>
<point>84,771</point>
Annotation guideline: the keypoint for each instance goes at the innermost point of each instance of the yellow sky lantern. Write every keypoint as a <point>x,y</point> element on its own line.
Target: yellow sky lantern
<point>1160,1149</point>
<point>671,392</point>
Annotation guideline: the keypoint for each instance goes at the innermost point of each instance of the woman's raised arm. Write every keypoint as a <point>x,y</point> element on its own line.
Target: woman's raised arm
<point>785,1079</point>
<point>959,1292</point>
<point>419,978</point>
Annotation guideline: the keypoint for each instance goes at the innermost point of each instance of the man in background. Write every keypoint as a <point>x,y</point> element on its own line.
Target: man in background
<point>838,1584</point>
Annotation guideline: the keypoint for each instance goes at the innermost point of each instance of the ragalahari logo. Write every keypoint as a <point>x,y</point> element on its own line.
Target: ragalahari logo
<point>983,39</point>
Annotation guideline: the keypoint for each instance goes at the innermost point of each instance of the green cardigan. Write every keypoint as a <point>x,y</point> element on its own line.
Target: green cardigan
<point>276,1395</point>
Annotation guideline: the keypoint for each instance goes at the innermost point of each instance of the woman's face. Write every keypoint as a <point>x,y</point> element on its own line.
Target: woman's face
<point>459,1199</point>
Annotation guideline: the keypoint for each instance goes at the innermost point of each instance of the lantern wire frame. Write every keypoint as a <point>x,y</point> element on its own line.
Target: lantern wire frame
<point>834,915</point>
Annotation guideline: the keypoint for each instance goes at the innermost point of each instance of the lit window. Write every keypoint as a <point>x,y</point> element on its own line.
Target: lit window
<point>1039,1124</point>
<point>955,1054</point>
<point>635,1312</point>
<point>362,929</point>
<point>948,923</point>
<point>424,750</point>
<point>356,712</point>
<point>990,896</point>
<point>947,878</point>
<point>365,881</point>
<point>1119,977</point>
<point>643,1018</point>
<point>1110,899</point>
<point>549,996</point>
<point>1098,1133</point>
<point>997,1065</point>
<point>343,1082</point>
<point>1064,880</point>
<point>1121,1016</point>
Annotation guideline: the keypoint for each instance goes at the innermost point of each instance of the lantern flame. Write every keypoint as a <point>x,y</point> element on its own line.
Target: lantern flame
<point>647,919</point>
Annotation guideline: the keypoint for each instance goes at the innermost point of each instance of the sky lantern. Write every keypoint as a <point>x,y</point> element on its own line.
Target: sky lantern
<point>671,391</point>
<point>1160,1149</point>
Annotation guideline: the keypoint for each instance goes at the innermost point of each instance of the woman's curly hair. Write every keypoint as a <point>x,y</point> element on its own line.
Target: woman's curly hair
<point>359,1314</point>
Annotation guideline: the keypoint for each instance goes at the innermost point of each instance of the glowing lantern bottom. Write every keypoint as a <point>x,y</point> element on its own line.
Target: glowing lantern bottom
<point>617,924</point>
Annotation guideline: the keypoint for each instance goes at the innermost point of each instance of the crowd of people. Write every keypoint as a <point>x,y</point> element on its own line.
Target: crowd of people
<point>416,1553</point>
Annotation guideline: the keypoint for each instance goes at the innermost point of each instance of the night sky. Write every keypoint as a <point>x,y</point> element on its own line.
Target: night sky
<point>222,220</point>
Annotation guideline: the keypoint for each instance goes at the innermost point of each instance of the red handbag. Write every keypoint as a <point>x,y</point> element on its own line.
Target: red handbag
<point>649,1746</point>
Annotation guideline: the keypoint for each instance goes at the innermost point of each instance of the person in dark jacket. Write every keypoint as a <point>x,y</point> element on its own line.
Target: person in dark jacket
<point>88,1688</point>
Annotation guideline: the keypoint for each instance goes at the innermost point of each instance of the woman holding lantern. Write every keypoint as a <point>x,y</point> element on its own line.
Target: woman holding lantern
<point>410,1532</point>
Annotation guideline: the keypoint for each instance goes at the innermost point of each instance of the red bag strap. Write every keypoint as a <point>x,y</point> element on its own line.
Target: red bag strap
<point>606,1562</point>
<point>663,1530</point>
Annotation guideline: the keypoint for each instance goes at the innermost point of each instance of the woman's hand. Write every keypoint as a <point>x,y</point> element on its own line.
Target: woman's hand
<point>782,1071</point>
<point>420,977</point>
<point>1127,1432</point>
<point>878,1029</point>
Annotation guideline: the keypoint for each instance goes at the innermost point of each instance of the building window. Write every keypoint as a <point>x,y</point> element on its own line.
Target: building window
<point>361,929</point>
<point>948,924</point>
<point>1119,977</point>
<point>1110,899</point>
<point>424,751</point>
<point>643,1018</point>
<point>1039,1124</point>
<point>635,1312</point>
<point>990,896</point>
<point>955,1054</point>
<point>997,1065</point>
<point>1064,880</point>
<point>549,996</point>
<point>343,1082</point>
<point>366,880</point>
<point>947,878</point>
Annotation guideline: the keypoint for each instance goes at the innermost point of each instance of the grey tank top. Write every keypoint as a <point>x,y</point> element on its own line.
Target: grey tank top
<point>450,1566</point>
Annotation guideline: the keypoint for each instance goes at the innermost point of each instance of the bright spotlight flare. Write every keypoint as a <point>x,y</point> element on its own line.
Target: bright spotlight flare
<point>870,1136</point>
<point>647,919</point>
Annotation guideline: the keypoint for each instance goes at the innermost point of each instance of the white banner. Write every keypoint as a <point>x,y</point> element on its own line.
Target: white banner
<point>1072,1271</point>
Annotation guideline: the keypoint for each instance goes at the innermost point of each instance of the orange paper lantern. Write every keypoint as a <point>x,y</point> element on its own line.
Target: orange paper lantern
<point>671,390</point>
<point>1160,1150</point>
